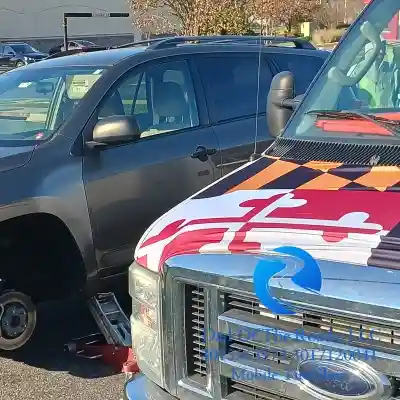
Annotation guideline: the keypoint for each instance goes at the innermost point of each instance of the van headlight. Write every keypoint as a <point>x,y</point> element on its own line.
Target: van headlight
<point>144,287</point>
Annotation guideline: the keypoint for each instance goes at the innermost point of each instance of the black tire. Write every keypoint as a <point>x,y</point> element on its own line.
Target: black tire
<point>23,301</point>
<point>20,64</point>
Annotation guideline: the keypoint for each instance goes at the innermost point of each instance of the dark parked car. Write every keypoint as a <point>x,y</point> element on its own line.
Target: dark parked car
<point>18,54</point>
<point>96,146</point>
<point>72,45</point>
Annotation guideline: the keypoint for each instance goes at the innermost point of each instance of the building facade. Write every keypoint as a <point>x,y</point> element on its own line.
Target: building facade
<point>40,22</point>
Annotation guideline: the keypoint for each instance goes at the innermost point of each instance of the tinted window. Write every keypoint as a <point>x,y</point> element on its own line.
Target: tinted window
<point>303,68</point>
<point>160,97</point>
<point>22,48</point>
<point>8,50</point>
<point>230,85</point>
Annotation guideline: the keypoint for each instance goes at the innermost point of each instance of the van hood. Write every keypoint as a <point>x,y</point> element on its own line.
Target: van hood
<point>335,212</point>
<point>14,157</point>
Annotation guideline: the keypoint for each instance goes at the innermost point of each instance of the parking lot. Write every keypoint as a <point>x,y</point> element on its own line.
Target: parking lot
<point>44,371</point>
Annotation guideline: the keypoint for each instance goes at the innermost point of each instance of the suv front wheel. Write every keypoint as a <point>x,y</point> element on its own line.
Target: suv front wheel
<point>17,320</point>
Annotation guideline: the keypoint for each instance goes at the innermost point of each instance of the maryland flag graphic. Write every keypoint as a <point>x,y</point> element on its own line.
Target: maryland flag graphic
<point>333,211</point>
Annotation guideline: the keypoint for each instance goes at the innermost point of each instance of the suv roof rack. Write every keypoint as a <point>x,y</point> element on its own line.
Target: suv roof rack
<point>140,43</point>
<point>231,39</point>
<point>174,41</point>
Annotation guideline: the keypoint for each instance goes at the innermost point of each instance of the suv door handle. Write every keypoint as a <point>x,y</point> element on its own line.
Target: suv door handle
<point>202,153</point>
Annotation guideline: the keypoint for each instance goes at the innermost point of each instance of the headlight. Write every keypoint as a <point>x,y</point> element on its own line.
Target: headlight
<point>145,321</point>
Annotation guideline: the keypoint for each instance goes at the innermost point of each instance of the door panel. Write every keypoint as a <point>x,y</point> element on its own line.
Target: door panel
<point>129,186</point>
<point>230,83</point>
<point>7,58</point>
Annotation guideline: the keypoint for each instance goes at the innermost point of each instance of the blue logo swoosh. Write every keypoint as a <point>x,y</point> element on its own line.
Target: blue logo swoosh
<point>309,277</point>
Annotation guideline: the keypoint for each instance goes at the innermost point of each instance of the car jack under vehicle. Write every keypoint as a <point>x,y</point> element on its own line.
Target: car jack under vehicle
<point>113,344</point>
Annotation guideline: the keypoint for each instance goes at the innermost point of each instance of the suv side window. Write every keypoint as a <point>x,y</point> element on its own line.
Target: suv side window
<point>8,50</point>
<point>230,83</point>
<point>303,68</point>
<point>161,97</point>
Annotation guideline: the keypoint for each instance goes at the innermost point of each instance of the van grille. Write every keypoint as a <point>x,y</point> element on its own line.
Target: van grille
<point>195,344</point>
<point>240,361</point>
<point>347,329</point>
<point>251,392</point>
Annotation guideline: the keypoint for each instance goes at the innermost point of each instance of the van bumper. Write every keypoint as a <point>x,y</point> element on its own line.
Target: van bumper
<point>139,387</point>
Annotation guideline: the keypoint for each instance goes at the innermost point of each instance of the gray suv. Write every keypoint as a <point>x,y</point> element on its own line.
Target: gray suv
<point>95,146</point>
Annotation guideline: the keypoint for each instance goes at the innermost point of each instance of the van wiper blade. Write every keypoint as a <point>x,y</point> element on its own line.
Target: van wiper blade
<point>386,123</point>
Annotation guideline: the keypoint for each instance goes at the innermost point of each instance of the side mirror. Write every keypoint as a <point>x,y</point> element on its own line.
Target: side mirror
<point>44,87</point>
<point>280,102</point>
<point>116,129</point>
<point>10,53</point>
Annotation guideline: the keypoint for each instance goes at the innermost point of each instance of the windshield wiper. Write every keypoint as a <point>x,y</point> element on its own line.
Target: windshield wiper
<point>386,123</point>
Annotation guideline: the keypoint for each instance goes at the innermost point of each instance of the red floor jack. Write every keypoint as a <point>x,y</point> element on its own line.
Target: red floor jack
<point>113,345</point>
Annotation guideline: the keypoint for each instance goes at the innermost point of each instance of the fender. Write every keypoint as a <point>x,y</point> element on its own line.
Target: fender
<point>51,183</point>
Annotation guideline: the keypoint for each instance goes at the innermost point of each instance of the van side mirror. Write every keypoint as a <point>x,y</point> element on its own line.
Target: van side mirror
<point>280,102</point>
<point>117,129</point>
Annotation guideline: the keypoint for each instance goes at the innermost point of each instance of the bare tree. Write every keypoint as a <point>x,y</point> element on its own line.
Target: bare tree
<point>336,12</point>
<point>194,17</point>
<point>286,12</point>
<point>150,18</point>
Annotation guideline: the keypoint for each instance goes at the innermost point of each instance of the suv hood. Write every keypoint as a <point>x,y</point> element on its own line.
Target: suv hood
<point>14,157</point>
<point>336,212</point>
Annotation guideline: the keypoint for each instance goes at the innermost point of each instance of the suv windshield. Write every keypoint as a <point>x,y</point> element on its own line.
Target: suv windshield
<point>34,103</point>
<point>356,97</point>
<point>23,48</point>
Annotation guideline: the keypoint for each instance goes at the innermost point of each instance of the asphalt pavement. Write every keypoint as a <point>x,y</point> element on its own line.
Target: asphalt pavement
<point>43,371</point>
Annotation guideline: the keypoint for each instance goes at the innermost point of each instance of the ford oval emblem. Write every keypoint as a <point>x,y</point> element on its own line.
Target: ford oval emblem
<point>342,380</point>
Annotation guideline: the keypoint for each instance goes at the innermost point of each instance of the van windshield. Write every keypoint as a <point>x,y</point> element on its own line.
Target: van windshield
<point>35,102</point>
<point>356,97</point>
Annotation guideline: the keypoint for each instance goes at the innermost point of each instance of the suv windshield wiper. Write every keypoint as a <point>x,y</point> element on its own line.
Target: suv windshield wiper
<point>386,123</point>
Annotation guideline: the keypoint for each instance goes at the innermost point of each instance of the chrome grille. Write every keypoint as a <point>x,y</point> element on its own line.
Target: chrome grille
<point>196,362</point>
<point>262,368</point>
<point>226,310</point>
<point>248,392</point>
<point>347,329</point>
